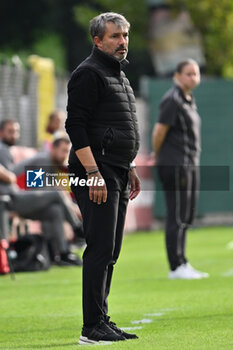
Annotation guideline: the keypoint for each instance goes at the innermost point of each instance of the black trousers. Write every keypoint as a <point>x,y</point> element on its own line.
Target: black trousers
<point>103,229</point>
<point>181,185</point>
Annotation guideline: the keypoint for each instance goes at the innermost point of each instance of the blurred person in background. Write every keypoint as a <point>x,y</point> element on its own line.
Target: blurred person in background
<point>50,208</point>
<point>55,160</point>
<point>177,146</point>
<point>54,129</point>
<point>103,129</point>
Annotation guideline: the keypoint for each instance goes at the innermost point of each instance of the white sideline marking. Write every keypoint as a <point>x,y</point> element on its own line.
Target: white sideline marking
<point>228,273</point>
<point>144,320</point>
<point>169,309</point>
<point>131,328</point>
<point>155,314</point>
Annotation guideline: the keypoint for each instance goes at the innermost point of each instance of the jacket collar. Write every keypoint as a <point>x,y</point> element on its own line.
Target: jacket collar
<point>183,95</point>
<point>108,60</point>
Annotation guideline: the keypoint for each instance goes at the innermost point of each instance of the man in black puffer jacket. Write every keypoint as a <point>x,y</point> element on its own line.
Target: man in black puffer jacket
<point>103,129</point>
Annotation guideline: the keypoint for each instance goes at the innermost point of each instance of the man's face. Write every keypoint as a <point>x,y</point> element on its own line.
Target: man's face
<point>114,42</point>
<point>56,122</point>
<point>60,153</point>
<point>10,133</point>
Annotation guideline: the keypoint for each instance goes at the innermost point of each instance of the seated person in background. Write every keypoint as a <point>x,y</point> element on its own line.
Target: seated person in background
<point>55,160</point>
<point>51,208</point>
<point>54,129</point>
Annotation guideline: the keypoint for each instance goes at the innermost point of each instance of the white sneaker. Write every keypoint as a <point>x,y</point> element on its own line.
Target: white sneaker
<point>184,273</point>
<point>202,274</point>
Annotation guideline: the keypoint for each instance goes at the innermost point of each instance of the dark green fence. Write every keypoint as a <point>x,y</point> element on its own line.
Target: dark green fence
<point>214,99</point>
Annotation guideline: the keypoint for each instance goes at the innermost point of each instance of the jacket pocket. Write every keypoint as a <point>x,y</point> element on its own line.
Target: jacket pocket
<point>107,140</point>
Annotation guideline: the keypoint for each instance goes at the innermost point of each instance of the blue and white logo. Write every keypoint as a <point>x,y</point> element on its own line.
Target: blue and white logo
<point>35,178</point>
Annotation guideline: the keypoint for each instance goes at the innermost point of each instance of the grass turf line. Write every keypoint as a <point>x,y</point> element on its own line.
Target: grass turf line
<point>43,310</point>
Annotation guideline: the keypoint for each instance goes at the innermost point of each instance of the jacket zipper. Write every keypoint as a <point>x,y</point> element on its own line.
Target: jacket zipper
<point>130,106</point>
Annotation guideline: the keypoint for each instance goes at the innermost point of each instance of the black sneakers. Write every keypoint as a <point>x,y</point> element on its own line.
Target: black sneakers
<point>100,333</point>
<point>119,331</point>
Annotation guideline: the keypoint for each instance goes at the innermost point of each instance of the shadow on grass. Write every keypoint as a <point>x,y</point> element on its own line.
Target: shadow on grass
<point>41,346</point>
<point>37,331</point>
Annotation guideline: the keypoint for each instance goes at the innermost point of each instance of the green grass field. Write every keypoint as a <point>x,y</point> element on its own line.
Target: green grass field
<point>43,310</point>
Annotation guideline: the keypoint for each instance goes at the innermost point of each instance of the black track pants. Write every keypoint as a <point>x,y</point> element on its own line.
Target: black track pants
<point>180,186</point>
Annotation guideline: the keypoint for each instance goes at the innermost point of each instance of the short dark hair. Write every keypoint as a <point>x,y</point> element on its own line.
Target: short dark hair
<point>180,66</point>
<point>97,24</point>
<point>4,122</point>
<point>59,140</point>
